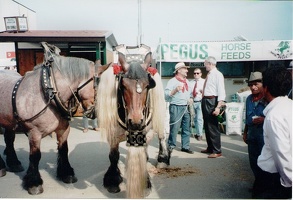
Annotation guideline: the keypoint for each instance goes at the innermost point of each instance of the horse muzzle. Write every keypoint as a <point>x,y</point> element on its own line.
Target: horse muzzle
<point>135,125</point>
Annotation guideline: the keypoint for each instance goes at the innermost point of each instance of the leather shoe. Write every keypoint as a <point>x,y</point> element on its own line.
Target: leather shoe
<point>187,151</point>
<point>205,151</point>
<point>215,155</point>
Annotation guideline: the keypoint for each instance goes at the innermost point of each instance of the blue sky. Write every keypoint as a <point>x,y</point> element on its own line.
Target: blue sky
<point>170,20</point>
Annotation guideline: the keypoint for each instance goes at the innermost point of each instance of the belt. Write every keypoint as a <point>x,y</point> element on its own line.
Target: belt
<point>210,97</point>
<point>177,105</point>
<point>196,101</point>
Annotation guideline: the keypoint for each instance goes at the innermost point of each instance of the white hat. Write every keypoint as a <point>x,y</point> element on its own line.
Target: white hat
<point>179,66</point>
<point>255,76</point>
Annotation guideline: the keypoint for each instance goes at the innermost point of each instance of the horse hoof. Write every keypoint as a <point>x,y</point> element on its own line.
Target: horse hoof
<point>15,168</point>
<point>147,192</point>
<point>35,190</point>
<point>2,172</point>
<point>69,179</point>
<point>162,165</point>
<point>113,189</point>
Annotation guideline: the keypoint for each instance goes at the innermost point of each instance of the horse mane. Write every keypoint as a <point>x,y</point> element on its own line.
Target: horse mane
<point>72,68</point>
<point>106,108</point>
<point>159,106</point>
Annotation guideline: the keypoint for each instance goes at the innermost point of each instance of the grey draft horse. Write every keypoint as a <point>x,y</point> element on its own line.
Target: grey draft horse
<point>38,104</point>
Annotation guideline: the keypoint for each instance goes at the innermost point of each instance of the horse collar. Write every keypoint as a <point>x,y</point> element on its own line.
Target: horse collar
<point>51,92</point>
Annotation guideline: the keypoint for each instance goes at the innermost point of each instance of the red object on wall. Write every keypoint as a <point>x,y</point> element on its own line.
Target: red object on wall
<point>10,54</point>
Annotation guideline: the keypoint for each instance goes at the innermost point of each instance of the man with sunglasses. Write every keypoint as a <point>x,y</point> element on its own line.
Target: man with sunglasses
<point>197,85</point>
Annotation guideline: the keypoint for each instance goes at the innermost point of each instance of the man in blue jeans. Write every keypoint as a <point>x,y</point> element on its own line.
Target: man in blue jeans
<point>253,131</point>
<point>177,93</point>
<point>197,85</point>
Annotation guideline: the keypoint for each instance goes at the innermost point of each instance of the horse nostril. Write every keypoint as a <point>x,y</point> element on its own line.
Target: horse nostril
<point>135,125</point>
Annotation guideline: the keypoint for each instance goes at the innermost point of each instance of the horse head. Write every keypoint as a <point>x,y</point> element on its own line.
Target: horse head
<point>134,85</point>
<point>87,90</point>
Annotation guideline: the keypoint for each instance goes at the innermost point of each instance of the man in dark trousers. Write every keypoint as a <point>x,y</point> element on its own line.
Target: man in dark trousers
<point>213,99</point>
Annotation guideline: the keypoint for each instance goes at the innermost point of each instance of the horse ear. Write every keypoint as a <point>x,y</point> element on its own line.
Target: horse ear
<point>122,61</point>
<point>100,69</point>
<point>147,60</point>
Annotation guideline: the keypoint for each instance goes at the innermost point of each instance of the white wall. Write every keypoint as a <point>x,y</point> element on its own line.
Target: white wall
<point>9,8</point>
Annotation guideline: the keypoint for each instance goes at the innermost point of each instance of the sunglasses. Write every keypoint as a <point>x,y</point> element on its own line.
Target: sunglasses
<point>196,73</point>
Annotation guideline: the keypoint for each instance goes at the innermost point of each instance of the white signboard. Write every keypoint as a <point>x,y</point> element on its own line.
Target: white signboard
<point>16,24</point>
<point>11,24</point>
<point>226,51</point>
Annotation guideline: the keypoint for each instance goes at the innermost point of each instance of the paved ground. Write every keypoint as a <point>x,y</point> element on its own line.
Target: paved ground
<point>190,176</point>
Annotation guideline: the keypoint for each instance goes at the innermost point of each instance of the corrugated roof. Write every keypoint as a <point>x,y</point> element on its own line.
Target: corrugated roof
<point>56,36</point>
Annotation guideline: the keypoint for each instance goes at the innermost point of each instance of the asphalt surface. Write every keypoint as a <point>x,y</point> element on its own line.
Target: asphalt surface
<point>190,176</point>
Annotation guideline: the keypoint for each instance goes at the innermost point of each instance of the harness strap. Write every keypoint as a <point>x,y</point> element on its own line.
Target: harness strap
<point>15,113</point>
<point>83,85</point>
<point>14,109</point>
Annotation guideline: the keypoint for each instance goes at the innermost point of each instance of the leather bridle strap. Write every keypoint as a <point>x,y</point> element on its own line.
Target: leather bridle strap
<point>148,111</point>
<point>83,85</point>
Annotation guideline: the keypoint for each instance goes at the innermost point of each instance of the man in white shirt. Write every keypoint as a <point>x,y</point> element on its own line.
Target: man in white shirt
<point>276,156</point>
<point>197,85</point>
<point>213,99</point>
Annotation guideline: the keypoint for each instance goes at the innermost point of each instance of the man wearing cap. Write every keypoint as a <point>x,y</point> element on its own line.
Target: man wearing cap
<point>214,95</point>
<point>177,93</point>
<point>253,130</point>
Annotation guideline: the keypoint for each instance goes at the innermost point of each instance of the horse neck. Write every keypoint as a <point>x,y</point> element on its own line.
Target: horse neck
<point>65,88</point>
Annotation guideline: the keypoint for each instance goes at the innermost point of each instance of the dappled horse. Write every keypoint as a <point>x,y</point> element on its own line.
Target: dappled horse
<point>131,107</point>
<point>40,103</point>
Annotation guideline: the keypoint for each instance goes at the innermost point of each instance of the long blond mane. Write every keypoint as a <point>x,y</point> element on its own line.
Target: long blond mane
<point>158,103</point>
<point>107,104</point>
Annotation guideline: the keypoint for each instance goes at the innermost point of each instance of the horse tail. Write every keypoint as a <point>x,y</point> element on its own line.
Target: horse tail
<point>136,172</point>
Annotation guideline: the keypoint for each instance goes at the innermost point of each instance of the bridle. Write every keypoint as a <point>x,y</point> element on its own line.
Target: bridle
<point>143,56</point>
<point>122,110</point>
